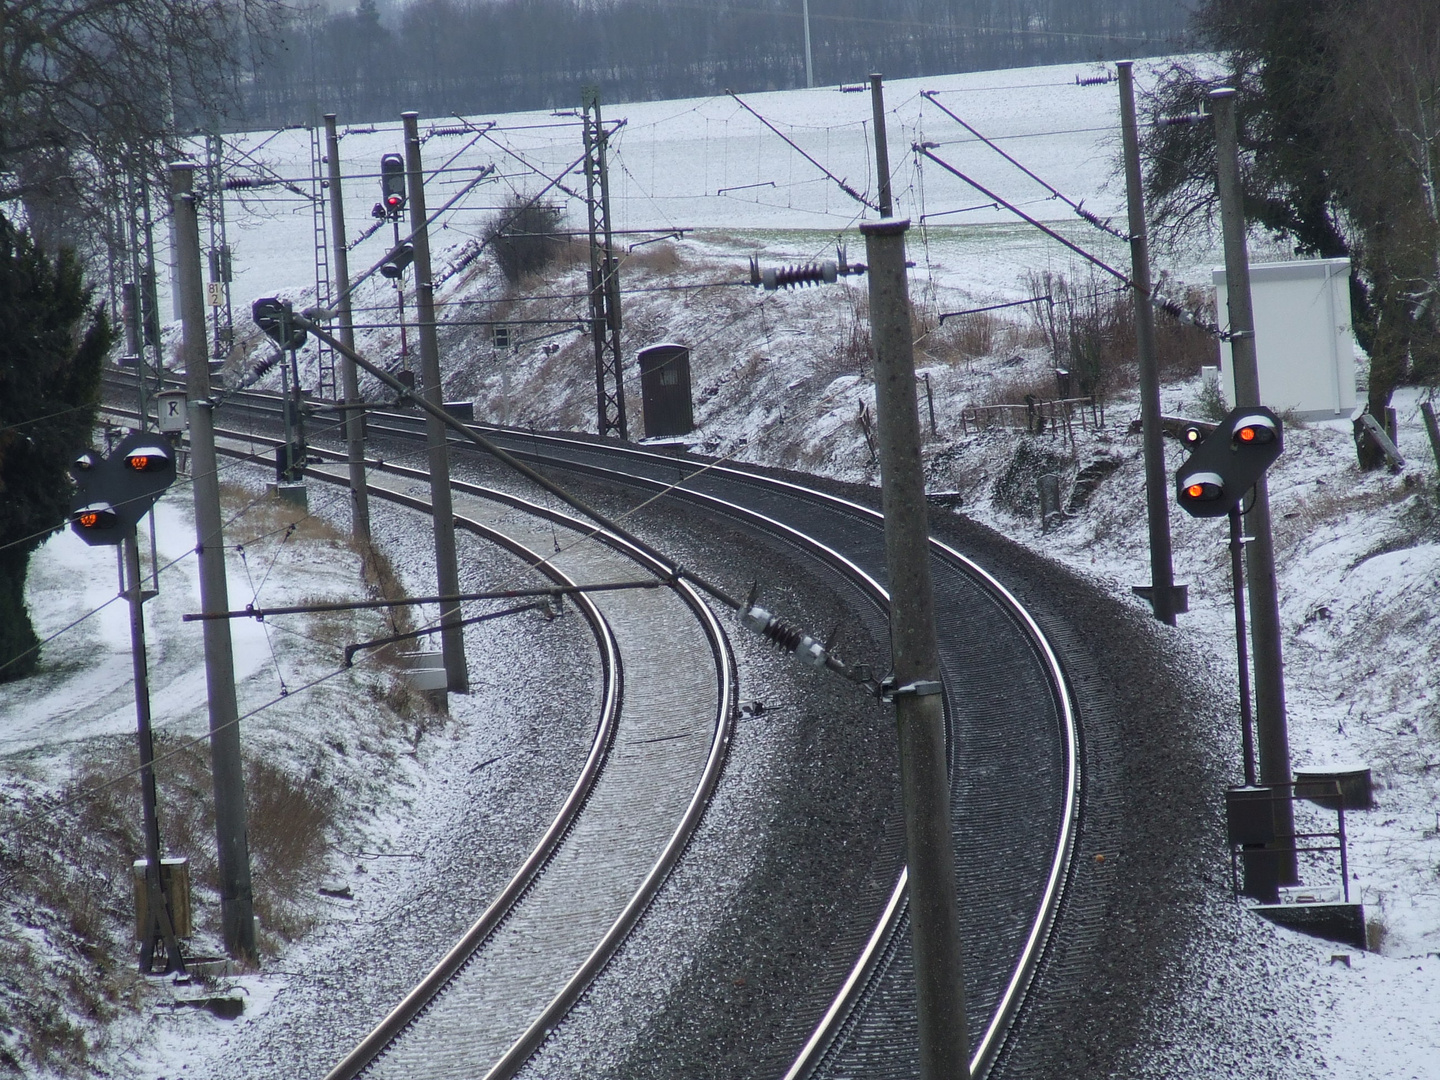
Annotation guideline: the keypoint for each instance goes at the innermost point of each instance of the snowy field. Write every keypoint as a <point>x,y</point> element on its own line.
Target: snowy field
<point>1358,554</point>
<point>709,164</point>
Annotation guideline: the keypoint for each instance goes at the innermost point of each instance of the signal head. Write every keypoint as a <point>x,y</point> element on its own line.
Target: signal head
<point>147,459</point>
<point>1193,436</point>
<point>1201,487</point>
<point>392,183</point>
<point>95,519</point>
<point>1253,430</point>
<point>396,262</point>
<point>274,317</point>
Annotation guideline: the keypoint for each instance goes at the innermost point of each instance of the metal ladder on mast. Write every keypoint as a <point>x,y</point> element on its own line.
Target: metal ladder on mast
<point>325,388</point>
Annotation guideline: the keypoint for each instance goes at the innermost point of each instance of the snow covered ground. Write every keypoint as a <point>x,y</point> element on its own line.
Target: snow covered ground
<point>780,378</point>
<point>708,164</point>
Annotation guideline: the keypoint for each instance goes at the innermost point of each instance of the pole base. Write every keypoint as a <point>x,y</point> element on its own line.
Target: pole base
<point>1179,597</point>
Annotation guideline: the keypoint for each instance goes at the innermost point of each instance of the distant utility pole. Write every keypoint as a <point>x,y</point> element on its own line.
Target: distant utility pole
<point>354,416</point>
<point>914,684</point>
<point>237,906</point>
<point>809,68</point>
<point>1165,598</point>
<point>604,276</point>
<point>1272,737</point>
<point>447,574</point>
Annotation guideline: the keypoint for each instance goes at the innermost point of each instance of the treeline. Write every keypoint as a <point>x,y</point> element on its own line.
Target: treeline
<point>487,56</point>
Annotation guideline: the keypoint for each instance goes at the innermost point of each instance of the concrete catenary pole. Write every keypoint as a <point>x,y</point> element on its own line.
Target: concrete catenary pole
<point>354,417</point>
<point>914,652</point>
<point>447,576</point>
<point>1271,736</point>
<point>1164,600</point>
<point>882,144</point>
<point>237,907</point>
<point>915,663</point>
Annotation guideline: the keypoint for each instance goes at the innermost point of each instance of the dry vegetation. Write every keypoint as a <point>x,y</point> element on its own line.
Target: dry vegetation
<point>1307,516</point>
<point>1087,331</point>
<point>67,951</point>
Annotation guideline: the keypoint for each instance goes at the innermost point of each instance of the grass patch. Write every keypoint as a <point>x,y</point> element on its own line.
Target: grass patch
<point>67,950</point>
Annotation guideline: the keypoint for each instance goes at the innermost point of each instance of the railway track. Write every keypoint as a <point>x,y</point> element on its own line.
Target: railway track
<point>657,753</point>
<point>1012,726</point>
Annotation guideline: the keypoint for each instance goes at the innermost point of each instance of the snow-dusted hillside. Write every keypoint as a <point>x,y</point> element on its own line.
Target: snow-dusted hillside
<point>782,378</point>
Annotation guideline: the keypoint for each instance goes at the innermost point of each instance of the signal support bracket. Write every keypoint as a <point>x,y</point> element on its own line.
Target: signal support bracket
<point>1179,596</point>
<point>920,688</point>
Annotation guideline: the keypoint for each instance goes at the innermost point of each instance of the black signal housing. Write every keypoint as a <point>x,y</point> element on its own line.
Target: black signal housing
<point>113,493</point>
<point>274,317</point>
<point>396,262</point>
<point>392,184</point>
<point>1227,462</point>
<point>93,518</point>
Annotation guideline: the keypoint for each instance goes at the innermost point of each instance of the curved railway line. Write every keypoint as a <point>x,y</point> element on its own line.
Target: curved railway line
<point>1012,724</point>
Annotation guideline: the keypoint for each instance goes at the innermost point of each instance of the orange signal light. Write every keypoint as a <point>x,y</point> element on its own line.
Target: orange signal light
<point>1195,490</point>
<point>96,518</point>
<point>1247,434</point>
<point>144,459</point>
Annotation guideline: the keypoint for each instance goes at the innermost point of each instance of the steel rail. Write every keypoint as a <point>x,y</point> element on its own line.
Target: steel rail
<point>393,1026</point>
<point>400,1017</point>
<point>726,707</point>
<point>1004,1015</point>
<point>852,988</point>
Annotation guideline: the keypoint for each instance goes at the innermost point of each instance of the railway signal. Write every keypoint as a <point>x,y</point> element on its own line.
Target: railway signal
<point>1225,464</point>
<point>398,259</point>
<point>392,184</point>
<point>113,493</point>
<point>273,316</point>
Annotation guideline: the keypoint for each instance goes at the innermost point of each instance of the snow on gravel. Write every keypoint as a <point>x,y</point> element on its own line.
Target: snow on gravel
<point>1358,554</point>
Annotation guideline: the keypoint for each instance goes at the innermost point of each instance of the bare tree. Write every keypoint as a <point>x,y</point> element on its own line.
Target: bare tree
<point>92,87</point>
<point>1338,103</point>
<point>1385,126</point>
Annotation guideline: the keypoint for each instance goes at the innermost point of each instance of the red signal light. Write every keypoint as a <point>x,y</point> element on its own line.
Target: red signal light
<point>146,459</point>
<point>96,516</point>
<point>1202,488</point>
<point>1253,431</point>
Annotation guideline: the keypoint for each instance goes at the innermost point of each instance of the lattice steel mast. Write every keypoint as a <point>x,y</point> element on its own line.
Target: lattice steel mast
<point>604,276</point>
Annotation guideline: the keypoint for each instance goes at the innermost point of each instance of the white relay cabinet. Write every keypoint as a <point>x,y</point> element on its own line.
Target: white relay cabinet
<point>1304,343</point>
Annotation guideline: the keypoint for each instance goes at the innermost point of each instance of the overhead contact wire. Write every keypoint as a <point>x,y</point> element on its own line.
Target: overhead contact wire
<point>1086,215</point>
<point>842,184</point>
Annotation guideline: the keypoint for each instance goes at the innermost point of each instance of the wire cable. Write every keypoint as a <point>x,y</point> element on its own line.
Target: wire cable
<point>1169,307</point>
<point>1078,207</point>
<point>843,185</point>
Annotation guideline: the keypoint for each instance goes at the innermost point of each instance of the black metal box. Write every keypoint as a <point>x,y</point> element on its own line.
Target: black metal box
<point>665,390</point>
